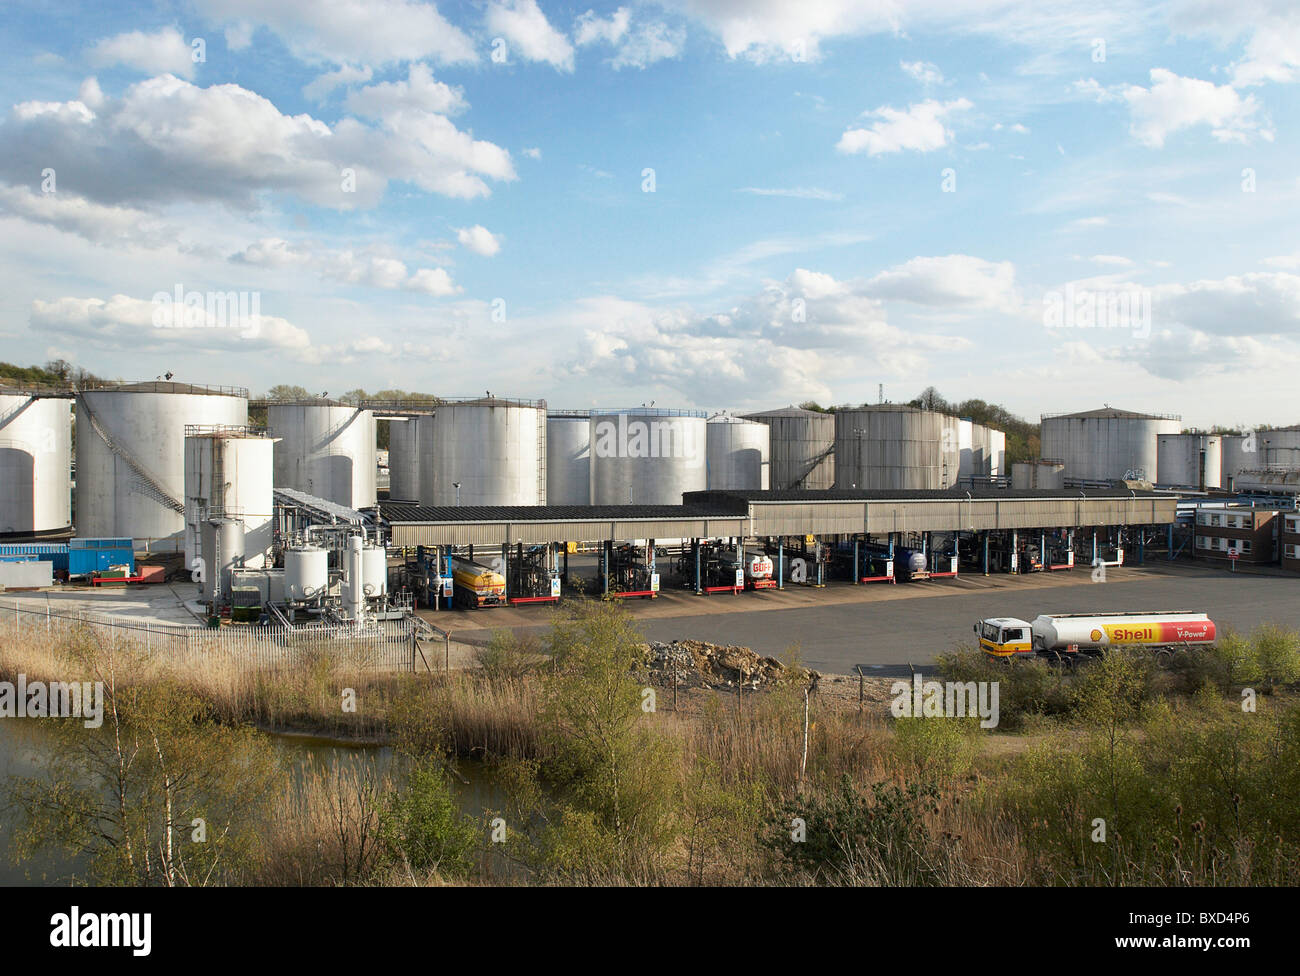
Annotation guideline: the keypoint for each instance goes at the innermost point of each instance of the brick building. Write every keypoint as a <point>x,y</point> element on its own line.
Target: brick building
<point>1253,533</point>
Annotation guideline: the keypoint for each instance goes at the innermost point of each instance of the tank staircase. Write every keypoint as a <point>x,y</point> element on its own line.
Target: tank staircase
<point>817,462</point>
<point>146,483</point>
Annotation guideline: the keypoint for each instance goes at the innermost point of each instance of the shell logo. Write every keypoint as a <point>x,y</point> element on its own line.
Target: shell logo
<point>1095,635</point>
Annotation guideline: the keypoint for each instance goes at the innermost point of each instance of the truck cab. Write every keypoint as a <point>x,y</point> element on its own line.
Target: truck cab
<point>1005,637</point>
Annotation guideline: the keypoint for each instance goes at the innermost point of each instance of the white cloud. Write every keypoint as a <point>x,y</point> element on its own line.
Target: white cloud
<point>955,279</point>
<point>372,268</point>
<point>1113,260</point>
<point>921,127</point>
<point>349,32</point>
<point>533,152</point>
<point>1256,304</point>
<point>1174,103</point>
<point>163,51</point>
<point>167,140</point>
<point>419,92</point>
<point>590,28</point>
<point>96,222</point>
<point>526,29</point>
<point>922,71</point>
<point>1272,50</point>
<point>478,239</point>
<point>239,35</point>
<point>325,83</point>
<point>648,44</point>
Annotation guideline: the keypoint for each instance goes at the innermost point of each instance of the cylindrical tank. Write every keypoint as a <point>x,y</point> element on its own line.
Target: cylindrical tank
<point>494,448</point>
<point>1106,444</point>
<point>568,459</point>
<point>997,453</point>
<point>738,453</point>
<point>892,446</point>
<point>1089,632</point>
<point>1278,448</point>
<point>1039,473</point>
<point>404,458</point>
<point>222,542</point>
<point>306,572</point>
<point>1190,460</point>
<point>228,471</point>
<point>1236,458</point>
<point>374,570</point>
<point>35,465</point>
<point>326,449</point>
<point>131,456</point>
<point>647,456</point>
<point>801,447</point>
<point>354,594</point>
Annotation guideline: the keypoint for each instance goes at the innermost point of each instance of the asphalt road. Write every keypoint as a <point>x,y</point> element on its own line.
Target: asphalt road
<point>887,635</point>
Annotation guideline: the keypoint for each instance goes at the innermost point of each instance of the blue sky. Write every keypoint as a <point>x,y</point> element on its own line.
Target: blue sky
<point>844,195</point>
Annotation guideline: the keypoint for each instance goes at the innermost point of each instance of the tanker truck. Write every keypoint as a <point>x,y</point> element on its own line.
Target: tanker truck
<point>1059,634</point>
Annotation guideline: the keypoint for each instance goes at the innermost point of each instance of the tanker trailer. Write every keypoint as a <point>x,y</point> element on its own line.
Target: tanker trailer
<point>1052,635</point>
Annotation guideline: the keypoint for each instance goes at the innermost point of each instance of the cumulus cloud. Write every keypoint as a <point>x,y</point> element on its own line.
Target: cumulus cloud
<point>523,25</point>
<point>346,32</point>
<point>343,76</point>
<point>419,92</point>
<point>369,268</point>
<point>97,223</point>
<point>591,28</point>
<point>920,127</point>
<point>163,51</point>
<point>922,71</point>
<point>1261,303</point>
<point>951,280</point>
<point>478,239</point>
<point>168,140</point>
<point>1174,103</point>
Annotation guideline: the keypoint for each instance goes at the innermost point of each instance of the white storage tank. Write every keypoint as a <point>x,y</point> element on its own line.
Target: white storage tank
<point>326,449</point>
<point>35,465</point>
<point>1190,460</point>
<point>647,456</point>
<point>306,572</point>
<point>1106,444</point>
<point>404,458</point>
<point>131,456</point>
<point>229,471</point>
<point>374,570</point>
<point>494,448</point>
<point>222,540</point>
<point>1236,457</point>
<point>1278,448</point>
<point>568,458</point>
<point>997,453</point>
<point>895,447</point>
<point>738,454</point>
<point>801,447</point>
<point>1036,474</point>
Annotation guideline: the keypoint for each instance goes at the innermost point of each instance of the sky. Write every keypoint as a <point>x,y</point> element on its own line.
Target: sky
<point>711,204</point>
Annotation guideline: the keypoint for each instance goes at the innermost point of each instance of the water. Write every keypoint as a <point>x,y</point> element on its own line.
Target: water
<point>25,747</point>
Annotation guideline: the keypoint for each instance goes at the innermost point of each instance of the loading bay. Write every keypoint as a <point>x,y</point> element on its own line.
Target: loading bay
<point>885,628</point>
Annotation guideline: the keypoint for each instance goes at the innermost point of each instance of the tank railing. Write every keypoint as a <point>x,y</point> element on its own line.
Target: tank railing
<point>232,430</point>
<point>197,389</point>
<point>650,412</point>
<point>26,388</point>
<point>1136,415</point>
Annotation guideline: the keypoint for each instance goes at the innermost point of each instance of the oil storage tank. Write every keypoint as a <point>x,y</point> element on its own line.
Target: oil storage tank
<point>131,456</point>
<point>229,472</point>
<point>801,447</point>
<point>493,448</point>
<point>647,456</point>
<point>1278,447</point>
<point>737,453</point>
<point>404,456</point>
<point>568,458</point>
<point>1240,453</point>
<point>1190,460</point>
<point>1106,444</point>
<point>1039,473</point>
<point>222,539</point>
<point>35,465</point>
<point>325,448</point>
<point>893,446</point>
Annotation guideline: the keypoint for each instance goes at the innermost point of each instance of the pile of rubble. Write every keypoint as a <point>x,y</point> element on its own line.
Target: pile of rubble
<point>701,664</point>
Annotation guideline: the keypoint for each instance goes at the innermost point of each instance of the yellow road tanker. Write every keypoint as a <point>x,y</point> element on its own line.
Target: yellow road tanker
<point>475,585</point>
<point>1061,634</point>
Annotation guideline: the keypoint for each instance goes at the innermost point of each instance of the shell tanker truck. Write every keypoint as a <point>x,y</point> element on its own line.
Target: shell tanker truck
<point>1064,634</point>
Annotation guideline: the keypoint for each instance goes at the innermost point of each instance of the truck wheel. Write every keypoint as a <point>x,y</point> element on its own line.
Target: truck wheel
<point>1164,657</point>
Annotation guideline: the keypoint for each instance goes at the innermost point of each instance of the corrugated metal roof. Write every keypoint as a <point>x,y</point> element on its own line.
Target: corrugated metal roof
<point>790,411</point>
<point>402,512</point>
<point>1108,413</point>
<point>982,492</point>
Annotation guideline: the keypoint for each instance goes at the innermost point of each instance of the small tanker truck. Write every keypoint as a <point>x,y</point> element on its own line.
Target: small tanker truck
<point>1059,634</point>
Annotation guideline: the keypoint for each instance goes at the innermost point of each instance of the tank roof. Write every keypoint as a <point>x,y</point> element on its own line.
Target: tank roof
<point>790,411</point>
<point>1109,413</point>
<point>161,386</point>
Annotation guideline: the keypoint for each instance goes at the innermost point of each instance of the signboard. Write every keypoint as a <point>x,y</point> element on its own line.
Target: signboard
<point>889,568</point>
<point>1233,554</point>
<point>446,587</point>
<point>952,565</point>
<point>810,539</point>
<point>1014,561</point>
<point>740,578</point>
<point>1069,557</point>
<point>654,582</point>
<point>555,587</point>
